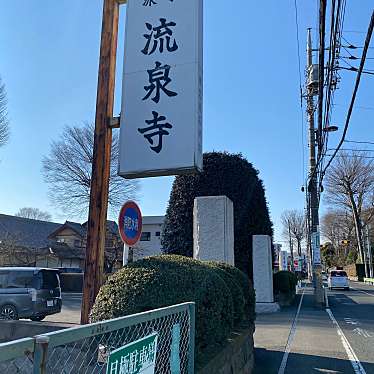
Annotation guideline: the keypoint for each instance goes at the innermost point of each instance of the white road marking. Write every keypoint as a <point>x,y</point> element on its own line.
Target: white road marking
<point>362,332</point>
<point>367,293</point>
<point>351,321</point>
<point>355,362</point>
<point>291,336</point>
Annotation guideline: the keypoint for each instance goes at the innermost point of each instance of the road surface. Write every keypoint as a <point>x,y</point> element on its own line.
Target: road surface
<point>354,312</point>
<point>71,309</point>
<point>303,339</point>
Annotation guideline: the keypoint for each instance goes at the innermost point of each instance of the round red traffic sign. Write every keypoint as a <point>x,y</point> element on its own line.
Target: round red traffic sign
<point>130,223</point>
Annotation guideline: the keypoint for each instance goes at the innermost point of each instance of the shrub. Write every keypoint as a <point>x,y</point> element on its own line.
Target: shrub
<point>242,289</point>
<point>161,281</point>
<point>222,174</point>
<point>284,282</point>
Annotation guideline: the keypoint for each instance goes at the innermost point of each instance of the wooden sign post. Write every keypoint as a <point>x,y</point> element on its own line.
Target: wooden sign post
<point>96,227</point>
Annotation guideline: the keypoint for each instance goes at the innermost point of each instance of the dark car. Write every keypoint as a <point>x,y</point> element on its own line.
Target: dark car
<point>29,292</point>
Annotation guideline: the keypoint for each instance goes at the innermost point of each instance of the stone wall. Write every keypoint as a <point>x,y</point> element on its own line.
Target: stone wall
<point>237,357</point>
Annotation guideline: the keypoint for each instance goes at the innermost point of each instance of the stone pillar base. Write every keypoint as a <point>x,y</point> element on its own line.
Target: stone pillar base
<point>263,308</point>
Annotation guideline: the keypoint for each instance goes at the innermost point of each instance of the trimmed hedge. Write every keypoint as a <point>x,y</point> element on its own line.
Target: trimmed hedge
<point>243,291</point>
<point>284,282</point>
<point>161,281</point>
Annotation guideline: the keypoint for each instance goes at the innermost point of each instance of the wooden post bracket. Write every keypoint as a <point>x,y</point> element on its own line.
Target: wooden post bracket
<point>115,122</point>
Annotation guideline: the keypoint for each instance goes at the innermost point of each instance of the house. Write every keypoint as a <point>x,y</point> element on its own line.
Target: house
<point>150,240</point>
<point>30,242</point>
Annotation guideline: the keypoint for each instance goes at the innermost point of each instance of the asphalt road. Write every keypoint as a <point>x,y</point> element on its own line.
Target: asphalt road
<point>354,312</point>
<point>304,339</point>
<point>71,309</point>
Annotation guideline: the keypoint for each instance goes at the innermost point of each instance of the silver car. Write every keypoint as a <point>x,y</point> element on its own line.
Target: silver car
<point>29,292</point>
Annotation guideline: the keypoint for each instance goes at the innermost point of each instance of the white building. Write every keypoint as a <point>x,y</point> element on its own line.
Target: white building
<point>150,241</point>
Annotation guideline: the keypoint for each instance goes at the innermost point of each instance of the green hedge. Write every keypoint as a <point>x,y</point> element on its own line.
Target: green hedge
<point>284,282</point>
<point>242,289</point>
<point>161,281</point>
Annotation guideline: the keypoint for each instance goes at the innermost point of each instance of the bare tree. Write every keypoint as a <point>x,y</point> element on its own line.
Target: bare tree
<point>4,126</point>
<point>337,226</point>
<point>294,227</point>
<point>68,168</point>
<point>14,253</point>
<point>34,213</point>
<point>350,185</point>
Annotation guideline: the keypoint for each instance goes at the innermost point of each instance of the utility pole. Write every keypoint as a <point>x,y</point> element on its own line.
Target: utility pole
<point>369,254</point>
<point>312,180</point>
<point>96,226</point>
<point>291,247</point>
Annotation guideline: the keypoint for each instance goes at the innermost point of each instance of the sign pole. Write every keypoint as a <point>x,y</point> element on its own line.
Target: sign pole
<point>96,226</point>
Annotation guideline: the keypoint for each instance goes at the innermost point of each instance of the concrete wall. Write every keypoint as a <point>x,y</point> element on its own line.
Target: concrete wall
<point>237,357</point>
<point>12,330</point>
<point>213,229</point>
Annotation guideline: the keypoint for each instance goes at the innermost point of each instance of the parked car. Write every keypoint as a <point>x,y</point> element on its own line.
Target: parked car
<point>69,270</point>
<point>338,279</point>
<point>29,292</point>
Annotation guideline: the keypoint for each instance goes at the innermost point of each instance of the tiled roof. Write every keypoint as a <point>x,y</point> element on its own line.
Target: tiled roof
<point>26,232</point>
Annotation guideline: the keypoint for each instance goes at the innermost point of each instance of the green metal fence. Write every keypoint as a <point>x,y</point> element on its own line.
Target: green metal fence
<point>85,349</point>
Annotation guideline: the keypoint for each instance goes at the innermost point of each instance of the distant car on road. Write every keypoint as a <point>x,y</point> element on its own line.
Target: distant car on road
<point>324,276</point>
<point>29,292</point>
<point>338,279</point>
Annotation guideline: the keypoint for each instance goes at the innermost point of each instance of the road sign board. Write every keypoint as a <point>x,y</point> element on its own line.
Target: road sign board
<point>130,223</point>
<point>138,357</point>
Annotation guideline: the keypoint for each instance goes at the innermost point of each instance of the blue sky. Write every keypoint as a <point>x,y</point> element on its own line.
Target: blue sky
<point>49,60</point>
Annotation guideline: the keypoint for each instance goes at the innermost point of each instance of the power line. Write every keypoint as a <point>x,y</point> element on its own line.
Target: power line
<point>351,57</point>
<point>357,142</point>
<point>358,107</point>
<point>321,72</point>
<point>357,84</point>
<point>351,150</point>
<point>355,31</point>
<point>300,86</point>
<point>352,68</point>
<point>360,156</point>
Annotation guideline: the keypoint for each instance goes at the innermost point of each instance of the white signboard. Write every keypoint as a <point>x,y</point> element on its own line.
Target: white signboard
<point>161,117</point>
<point>283,260</point>
<point>316,248</point>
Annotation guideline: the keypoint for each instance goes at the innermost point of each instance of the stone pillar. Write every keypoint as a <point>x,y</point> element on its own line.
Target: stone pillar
<point>213,229</point>
<point>263,274</point>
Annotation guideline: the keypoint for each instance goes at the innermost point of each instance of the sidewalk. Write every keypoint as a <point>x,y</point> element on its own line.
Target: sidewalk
<point>299,339</point>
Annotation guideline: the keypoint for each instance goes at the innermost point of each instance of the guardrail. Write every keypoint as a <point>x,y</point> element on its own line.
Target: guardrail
<point>85,349</point>
<point>369,280</point>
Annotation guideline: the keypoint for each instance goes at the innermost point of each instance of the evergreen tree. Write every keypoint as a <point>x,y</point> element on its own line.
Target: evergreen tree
<point>225,174</point>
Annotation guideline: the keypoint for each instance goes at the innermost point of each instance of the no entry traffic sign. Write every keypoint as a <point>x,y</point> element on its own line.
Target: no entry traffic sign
<point>130,223</point>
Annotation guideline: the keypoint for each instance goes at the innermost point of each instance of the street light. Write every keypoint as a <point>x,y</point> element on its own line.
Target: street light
<point>331,128</point>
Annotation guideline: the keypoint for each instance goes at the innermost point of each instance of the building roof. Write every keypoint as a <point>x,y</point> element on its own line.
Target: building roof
<point>153,220</point>
<point>111,226</point>
<point>76,227</point>
<point>26,232</point>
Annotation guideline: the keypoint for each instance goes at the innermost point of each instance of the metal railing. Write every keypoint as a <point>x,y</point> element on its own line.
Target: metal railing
<point>85,349</point>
